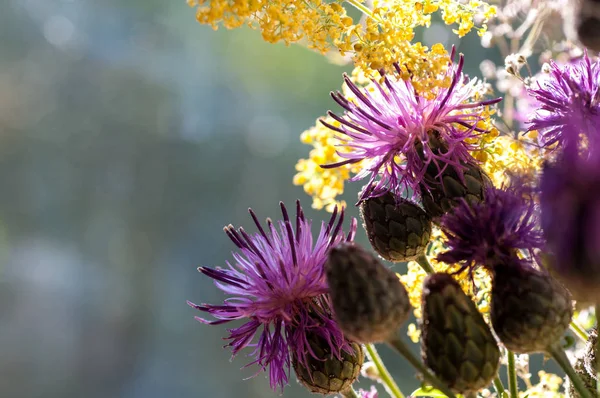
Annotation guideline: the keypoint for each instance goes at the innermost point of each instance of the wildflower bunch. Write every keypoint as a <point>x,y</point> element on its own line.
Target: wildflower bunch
<point>499,226</point>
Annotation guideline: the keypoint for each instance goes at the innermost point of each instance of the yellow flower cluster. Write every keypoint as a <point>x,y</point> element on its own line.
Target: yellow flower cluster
<point>504,156</point>
<point>458,12</point>
<point>479,288</point>
<point>324,185</point>
<point>315,21</point>
<point>384,37</point>
<point>548,387</point>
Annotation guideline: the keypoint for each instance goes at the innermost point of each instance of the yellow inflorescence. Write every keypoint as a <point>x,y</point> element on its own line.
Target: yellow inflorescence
<point>548,387</point>
<point>478,288</point>
<point>505,156</point>
<point>324,185</point>
<point>383,38</point>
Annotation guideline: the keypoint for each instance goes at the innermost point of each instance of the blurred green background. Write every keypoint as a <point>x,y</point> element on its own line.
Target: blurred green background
<point>129,136</point>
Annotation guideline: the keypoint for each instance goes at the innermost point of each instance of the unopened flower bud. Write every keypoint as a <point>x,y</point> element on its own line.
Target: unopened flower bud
<point>441,194</point>
<point>325,373</point>
<point>530,310</point>
<point>457,344</point>
<point>369,301</point>
<point>398,229</point>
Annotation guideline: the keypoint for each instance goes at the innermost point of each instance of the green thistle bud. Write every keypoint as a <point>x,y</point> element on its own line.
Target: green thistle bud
<point>440,194</point>
<point>530,310</point>
<point>369,302</point>
<point>457,344</point>
<point>326,374</point>
<point>398,229</point>
<point>443,195</point>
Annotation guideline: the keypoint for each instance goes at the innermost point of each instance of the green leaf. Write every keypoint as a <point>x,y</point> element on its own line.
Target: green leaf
<point>427,392</point>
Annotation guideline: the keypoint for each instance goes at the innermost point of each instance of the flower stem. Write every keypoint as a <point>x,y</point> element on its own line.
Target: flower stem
<point>387,379</point>
<point>499,386</point>
<point>578,331</point>
<point>424,263</point>
<point>365,10</point>
<point>349,393</point>
<point>561,358</point>
<point>403,350</point>
<point>512,376</point>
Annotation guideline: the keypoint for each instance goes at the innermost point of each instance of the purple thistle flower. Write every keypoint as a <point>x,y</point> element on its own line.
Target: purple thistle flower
<point>569,105</point>
<point>392,126</point>
<point>570,218</point>
<point>278,286</point>
<point>490,232</point>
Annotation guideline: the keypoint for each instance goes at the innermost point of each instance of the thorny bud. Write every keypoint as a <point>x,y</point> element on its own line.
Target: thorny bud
<point>398,229</point>
<point>369,301</point>
<point>325,373</point>
<point>439,196</point>
<point>530,310</point>
<point>457,344</point>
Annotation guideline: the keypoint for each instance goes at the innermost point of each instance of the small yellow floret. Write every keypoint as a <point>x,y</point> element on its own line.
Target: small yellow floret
<point>324,185</point>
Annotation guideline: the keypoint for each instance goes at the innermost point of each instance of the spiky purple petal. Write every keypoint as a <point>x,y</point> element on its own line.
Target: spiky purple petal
<point>569,105</point>
<point>493,230</point>
<point>389,128</point>
<point>277,285</point>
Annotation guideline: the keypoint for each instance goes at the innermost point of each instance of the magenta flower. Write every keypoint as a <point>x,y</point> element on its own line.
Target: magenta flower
<point>391,129</point>
<point>278,287</point>
<point>569,106</point>
<point>490,232</point>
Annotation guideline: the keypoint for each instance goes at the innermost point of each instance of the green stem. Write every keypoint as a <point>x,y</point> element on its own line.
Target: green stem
<point>424,263</point>
<point>349,393</point>
<point>512,376</point>
<point>362,8</point>
<point>386,378</point>
<point>403,350</point>
<point>578,331</point>
<point>499,386</point>
<point>561,358</point>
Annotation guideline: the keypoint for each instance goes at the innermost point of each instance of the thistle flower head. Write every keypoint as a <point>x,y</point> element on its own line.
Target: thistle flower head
<point>570,218</point>
<point>277,285</point>
<point>400,134</point>
<point>490,231</point>
<point>569,106</point>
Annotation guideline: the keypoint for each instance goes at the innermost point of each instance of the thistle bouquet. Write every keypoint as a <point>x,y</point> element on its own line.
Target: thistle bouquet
<point>487,188</point>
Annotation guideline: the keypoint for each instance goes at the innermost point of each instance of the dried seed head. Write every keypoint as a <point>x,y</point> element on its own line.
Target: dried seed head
<point>369,301</point>
<point>590,353</point>
<point>457,344</point>
<point>398,229</point>
<point>588,381</point>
